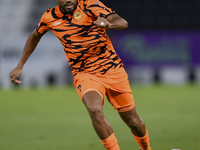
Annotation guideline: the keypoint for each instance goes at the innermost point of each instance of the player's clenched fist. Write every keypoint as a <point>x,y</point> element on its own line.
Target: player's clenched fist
<point>102,23</point>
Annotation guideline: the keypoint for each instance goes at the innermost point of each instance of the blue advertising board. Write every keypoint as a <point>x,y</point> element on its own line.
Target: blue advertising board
<point>158,49</point>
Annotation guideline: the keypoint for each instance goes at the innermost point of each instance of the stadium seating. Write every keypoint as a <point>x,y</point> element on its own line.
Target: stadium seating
<point>141,15</point>
<point>13,16</point>
<point>155,14</point>
<point>36,11</point>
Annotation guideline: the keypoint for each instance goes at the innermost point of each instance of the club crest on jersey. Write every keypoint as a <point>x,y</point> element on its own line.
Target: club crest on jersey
<point>78,15</point>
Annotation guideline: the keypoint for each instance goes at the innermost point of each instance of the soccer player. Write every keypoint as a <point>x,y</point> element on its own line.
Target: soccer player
<point>98,71</point>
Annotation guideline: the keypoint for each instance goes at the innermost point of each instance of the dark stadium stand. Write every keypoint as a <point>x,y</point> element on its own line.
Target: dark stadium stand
<point>156,14</point>
<point>141,14</point>
<point>38,8</point>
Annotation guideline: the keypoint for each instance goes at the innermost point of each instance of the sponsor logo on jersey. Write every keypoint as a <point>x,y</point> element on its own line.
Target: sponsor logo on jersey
<point>57,23</point>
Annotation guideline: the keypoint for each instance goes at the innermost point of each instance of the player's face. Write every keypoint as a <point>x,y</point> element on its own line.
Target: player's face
<point>67,6</point>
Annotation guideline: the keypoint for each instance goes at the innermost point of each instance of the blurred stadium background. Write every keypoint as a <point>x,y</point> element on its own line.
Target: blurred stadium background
<point>161,45</point>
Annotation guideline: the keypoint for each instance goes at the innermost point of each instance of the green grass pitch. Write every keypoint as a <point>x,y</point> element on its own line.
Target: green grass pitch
<point>56,119</point>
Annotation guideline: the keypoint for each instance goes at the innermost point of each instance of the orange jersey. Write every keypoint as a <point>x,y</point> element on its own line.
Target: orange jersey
<point>87,47</point>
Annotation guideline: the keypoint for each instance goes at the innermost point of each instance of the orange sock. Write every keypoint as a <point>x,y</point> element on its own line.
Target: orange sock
<point>143,141</point>
<point>110,143</point>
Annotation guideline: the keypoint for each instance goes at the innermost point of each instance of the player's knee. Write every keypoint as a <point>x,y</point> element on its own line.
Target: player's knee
<point>133,123</point>
<point>96,112</point>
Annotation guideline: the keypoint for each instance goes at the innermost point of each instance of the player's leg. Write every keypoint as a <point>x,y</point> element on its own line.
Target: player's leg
<point>93,102</point>
<point>92,93</point>
<point>120,96</point>
<point>137,127</point>
<point>124,104</point>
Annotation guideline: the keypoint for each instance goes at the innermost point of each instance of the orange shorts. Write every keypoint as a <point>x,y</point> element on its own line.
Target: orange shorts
<point>114,85</point>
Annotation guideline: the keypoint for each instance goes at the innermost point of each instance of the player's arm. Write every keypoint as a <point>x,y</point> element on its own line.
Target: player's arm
<point>30,46</point>
<point>113,21</point>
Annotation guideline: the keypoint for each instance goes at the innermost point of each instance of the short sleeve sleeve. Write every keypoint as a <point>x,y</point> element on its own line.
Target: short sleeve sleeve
<point>42,27</point>
<point>98,9</point>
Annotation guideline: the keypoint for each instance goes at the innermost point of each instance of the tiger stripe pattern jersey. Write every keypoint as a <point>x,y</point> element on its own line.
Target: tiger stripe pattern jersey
<point>87,47</point>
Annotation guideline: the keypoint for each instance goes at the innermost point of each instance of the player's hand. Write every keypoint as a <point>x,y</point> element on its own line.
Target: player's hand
<point>15,74</point>
<point>102,23</point>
